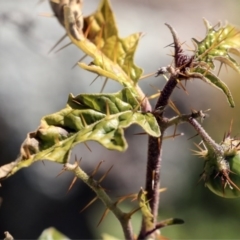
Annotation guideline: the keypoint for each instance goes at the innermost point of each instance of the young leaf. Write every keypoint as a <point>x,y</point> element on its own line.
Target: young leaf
<point>121,51</point>
<point>98,38</point>
<point>96,117</point>
<point>212,79</point>
<point>217,45</point>
<point>112,56</point>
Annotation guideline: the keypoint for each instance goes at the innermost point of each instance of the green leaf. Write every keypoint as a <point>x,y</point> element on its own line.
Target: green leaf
<point>52,234</point>
<point>212,79</point>
<point>95,117</point>
<point>112,55</point>
<point>103,28</point>
<point>97,36</point>
<point>218,43</point>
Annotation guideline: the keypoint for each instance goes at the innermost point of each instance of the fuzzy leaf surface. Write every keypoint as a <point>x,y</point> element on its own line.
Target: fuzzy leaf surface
<point>219,42</point>
<point>95,117</point>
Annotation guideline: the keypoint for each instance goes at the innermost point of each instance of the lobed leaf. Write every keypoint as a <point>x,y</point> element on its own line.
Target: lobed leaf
<point>219,42</point>
<point>97,36</point>
<point>111,54</point>
<point>96,117</point>
<point>104,34</point>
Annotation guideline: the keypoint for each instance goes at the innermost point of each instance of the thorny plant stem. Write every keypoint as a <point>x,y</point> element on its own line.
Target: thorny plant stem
<point>155,156</point>
<point>123,218</point>
<point>206,138</point>
<point>167,91</point>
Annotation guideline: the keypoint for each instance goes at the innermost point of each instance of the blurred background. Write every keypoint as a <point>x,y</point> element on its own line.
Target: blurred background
<point>35,83</point>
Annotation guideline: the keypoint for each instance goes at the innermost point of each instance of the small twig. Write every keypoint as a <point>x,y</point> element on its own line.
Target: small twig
<point>102,195</point>
<point>212,145</point>
<point>184,118</point>
<point>167,90</point>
